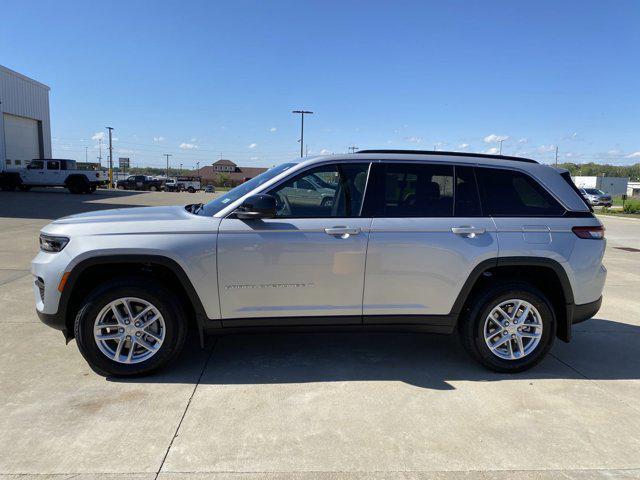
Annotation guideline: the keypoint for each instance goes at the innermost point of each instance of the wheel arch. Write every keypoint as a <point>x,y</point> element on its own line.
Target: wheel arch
<point>546,274</point>
<point>86,275</point>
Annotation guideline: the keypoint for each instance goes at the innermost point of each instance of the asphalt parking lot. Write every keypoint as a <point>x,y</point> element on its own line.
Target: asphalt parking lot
<point>307,406</point>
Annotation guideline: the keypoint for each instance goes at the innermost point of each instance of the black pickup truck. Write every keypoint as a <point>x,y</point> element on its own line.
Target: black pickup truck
<point>140,182</point>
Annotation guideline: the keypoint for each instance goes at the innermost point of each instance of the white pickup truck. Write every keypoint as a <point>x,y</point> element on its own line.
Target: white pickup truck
<point>53,173</point>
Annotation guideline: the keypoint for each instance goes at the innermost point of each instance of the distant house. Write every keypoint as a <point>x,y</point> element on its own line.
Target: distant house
<point>227,173</point>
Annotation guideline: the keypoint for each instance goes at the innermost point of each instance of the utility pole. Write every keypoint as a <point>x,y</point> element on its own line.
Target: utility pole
<point>302,114</point>
<point>353,149</point>
<point>167,155</point>
<point>556,155</point>
<point>100,154</point>
<point>500,152</point>
<point>180,169</point>
<point>86,154</point>
<point>110,157</point>
<point>198,166</point>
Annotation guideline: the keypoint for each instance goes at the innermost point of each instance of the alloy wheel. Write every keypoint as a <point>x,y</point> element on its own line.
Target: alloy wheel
<point>513,329</point>
<point>129,330</point>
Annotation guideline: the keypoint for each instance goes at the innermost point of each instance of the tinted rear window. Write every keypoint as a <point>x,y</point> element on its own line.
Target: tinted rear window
<point>410,190</point>
<point>507,193</point>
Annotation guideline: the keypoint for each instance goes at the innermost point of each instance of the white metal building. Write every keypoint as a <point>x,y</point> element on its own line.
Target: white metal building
<point>612,185</point>
<point>25,129</point>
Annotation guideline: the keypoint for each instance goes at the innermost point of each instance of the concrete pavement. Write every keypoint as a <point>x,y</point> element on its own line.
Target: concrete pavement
<point>302,406</point>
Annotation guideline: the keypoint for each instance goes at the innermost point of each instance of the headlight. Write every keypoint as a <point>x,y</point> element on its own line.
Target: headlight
<point>49,243</point>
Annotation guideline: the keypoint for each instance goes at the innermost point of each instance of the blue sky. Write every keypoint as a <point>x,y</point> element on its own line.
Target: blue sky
<point>200,79</point>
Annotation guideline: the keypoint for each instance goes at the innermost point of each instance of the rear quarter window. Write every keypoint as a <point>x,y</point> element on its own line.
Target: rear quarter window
<point>508,193</point>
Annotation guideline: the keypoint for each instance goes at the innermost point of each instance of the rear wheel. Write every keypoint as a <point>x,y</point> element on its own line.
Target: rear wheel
<point>191,190</point>
<point>153,188</point>
<point>130,327</point>
<point>509,328</point>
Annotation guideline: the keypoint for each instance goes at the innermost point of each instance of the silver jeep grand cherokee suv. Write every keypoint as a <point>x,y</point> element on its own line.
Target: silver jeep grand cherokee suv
<point>502,249</point>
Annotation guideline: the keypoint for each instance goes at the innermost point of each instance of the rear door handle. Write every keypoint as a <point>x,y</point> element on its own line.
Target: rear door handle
<point>342,231</point>
<point>469,232</point>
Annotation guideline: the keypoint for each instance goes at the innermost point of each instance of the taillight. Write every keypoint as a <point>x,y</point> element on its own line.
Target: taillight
<point>590,233</point>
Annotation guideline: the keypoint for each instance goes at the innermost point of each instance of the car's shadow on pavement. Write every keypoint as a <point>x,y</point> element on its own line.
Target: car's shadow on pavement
<point>57,202</point>
<point>421,360</point>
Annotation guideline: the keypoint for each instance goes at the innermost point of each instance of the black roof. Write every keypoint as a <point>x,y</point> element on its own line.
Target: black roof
<point>452,154</point>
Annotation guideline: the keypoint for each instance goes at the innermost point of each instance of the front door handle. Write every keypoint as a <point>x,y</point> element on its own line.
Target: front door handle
<point>343,232</point>
<point>469,232</point>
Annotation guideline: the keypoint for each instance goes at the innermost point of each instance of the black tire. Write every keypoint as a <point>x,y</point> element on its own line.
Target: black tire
<point>153,188</point>
<point>92,188</point>
<point>472,326</point>
<point>24,188</point>
<point>73,189</point>
<point>191,190</point>
<point>149,290</point>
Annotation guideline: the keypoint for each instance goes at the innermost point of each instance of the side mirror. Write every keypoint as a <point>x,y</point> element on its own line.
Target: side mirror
<point>257,206</point>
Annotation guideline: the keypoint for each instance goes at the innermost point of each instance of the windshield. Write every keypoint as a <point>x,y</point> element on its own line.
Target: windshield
<point>594,191</point>
<point>214,206</point>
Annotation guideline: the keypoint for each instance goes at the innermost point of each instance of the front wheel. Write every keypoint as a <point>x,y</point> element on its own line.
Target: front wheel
<point>509,328</point>
<point>130,327</point>
<point>153,188</point>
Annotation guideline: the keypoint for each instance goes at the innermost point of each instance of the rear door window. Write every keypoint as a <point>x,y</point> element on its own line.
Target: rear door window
<point>508,193</point>
<point>410,190</point>
<point>467,200</point>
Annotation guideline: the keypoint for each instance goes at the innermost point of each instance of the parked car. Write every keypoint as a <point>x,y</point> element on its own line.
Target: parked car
<point>596,197</point>
<point>140,182</point>
<point>49,172</point>
<point>183,184</point>
<point>210,189</point>
<point>127,283</point>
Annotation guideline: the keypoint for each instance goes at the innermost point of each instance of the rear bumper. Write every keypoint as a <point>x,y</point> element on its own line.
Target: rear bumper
<point>585,311</point>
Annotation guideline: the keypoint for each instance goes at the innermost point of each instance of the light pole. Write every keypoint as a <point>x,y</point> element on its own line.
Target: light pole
<point>167,155</point>
<point>302,114</point>
<point>110,158</point>
<point>500,152</point>
<point>180,169</point>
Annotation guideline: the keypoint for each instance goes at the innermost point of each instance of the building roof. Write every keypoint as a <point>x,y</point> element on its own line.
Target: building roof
<point>13,73</point>
<point>242,173</point>
<point>227,163</point>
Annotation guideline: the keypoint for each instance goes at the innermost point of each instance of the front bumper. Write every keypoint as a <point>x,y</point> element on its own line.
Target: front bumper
<point>585,311</point>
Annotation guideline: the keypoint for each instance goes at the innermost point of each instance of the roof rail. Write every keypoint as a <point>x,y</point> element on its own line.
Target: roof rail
<point>451,154</point>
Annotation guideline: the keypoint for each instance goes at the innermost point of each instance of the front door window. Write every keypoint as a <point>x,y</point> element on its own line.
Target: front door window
<point>335,190</point>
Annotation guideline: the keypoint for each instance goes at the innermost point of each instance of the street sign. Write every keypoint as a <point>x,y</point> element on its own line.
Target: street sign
<point>123,164</point>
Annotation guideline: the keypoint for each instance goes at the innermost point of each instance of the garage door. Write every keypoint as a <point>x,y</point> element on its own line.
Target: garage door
<point>21,139</point>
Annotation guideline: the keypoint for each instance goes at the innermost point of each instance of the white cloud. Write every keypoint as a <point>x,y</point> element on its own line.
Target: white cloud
<point>193,140</point>
<point>158,139</point>
<point>188,146</point>
<point>324,151</point>
<point>98,136</point>
<point>523,140</point>
<point>413,139</point>
<point>634,155</point>
<point>463,146</point>
<point>492,151</point>
<point>614,152</point>
<point>253,145</point>
<point>493,138</point>
<point>255,158</point>
<point>273,129</point>
<point>546,148</point>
